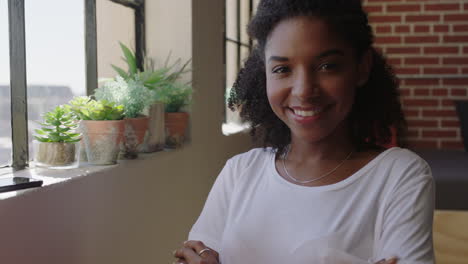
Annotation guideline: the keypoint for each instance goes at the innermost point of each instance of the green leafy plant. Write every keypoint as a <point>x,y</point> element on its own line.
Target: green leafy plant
<point>77,104</point>
<point>101,110</point>
<point>128,88</point>
<point>59,125</point>
<point>131,94</point>
<point>86,108</point>
<point>174,95</point>
<point>150,77</point>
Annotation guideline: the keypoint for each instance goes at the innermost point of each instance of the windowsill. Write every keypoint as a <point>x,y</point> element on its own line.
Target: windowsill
<point>232,128</point>
<point>54,177</point>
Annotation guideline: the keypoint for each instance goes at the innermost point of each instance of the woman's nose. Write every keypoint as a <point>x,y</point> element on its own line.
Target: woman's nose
<point>305,86</point>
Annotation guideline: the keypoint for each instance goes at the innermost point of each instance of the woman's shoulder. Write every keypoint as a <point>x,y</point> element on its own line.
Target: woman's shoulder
<point>404,166</point>
<point>402,157</point>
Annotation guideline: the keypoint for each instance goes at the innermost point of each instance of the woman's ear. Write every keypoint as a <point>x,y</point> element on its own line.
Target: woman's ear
<point>365,66</point>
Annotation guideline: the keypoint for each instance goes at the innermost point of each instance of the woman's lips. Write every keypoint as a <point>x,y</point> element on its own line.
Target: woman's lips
<point>306,116</point>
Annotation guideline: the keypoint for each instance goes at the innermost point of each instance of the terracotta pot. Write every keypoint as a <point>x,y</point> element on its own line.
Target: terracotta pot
<point>156,136</point>
<point>176,124</point>
<point>135,131</point>
<point>102,140</point>
<point>83,158</point>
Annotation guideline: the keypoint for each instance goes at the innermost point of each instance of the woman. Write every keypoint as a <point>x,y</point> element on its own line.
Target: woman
<point>323,190</point>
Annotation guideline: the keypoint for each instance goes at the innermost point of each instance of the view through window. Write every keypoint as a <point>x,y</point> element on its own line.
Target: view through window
<point>5,112</point>
<point>237,46</point>
<point>55,56</point>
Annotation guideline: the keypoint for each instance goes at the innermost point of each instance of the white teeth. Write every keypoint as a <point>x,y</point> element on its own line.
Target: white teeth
<point>307,113</point>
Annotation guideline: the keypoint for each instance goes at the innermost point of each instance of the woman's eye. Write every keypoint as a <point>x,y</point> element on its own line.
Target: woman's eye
<point>328,67</point>
<point>280,69</point>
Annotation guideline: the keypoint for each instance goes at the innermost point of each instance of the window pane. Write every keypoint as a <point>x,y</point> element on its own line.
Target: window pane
<point>5,112</point>
<point>115,23</point>
<point>237,50</point>
<point>55,55</point>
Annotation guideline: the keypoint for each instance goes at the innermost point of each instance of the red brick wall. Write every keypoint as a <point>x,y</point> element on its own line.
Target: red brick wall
<point>427,43</point>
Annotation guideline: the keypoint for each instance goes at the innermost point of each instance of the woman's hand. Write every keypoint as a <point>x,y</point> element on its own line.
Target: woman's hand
<point>195,252</point>
<point>393,260</point>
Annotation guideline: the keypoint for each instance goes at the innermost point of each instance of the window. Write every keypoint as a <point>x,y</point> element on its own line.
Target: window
<point>53,58</point>
<point>5,106</point>
<point>237,47</point>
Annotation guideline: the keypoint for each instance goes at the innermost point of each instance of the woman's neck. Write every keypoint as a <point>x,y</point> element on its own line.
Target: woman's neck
<point>334,147</point>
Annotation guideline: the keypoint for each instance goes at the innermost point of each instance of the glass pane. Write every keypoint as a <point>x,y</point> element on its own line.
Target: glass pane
<point>55,55</point>
<point>235,20</point>
<point>115,23</point>
<point>5,112</point>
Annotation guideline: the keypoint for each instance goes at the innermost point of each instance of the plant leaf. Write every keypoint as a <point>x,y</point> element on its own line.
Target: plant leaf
<point>129,58</point>
<point>41,139</point>
<point>120,71</point>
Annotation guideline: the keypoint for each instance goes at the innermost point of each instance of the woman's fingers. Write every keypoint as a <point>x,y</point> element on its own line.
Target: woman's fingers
<point>195,251</point>
<point>392,260</point>
<point>180,261</point>
<point>197,246</point>
<point>200,247</point>
<point>187,254</point>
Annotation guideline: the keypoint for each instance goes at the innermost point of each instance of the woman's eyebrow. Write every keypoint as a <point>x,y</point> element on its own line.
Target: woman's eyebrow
<point>278,58</point>
<point>329,53</point>
<point>318,57</point>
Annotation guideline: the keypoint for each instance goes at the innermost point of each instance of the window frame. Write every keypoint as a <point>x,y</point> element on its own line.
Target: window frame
<point>239,44</point>
<point>18,81</point>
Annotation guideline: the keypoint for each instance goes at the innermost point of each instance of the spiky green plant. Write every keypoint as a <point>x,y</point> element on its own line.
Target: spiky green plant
<point>175,96</point>
<point>150,77</point>
<point>59,125</point>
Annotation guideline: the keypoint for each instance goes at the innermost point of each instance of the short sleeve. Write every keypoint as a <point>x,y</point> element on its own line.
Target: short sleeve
<point>406,230</point>
<point>209,226</point>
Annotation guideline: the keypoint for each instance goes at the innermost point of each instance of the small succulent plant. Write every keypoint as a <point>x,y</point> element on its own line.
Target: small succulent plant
<point>86,108</point>
<point>101,110</point>
<point>59,125</point>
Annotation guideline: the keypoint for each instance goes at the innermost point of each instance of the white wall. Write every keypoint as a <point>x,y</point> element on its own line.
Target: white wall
<point>115,23</point>
<point>142,211</point>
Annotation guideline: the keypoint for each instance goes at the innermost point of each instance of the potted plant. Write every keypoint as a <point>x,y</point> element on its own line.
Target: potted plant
<point>129,89</point>
<point>57,143</point>
<point>102,128</point>
<point>74,106</point>
<point>155,80</point>
<point>134,98</point>
<point>175,97</point>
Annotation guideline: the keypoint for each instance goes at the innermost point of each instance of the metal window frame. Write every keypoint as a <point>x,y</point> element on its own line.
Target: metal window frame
<point>18,80</point>
<point>91,38</point>
<point>238,42</point>
<point>18,85</point>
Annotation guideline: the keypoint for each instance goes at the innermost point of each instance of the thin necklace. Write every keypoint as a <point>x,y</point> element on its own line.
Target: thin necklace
<point>316,179</point>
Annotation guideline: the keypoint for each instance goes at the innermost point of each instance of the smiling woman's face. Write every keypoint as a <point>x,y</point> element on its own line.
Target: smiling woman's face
<point>311,77</point>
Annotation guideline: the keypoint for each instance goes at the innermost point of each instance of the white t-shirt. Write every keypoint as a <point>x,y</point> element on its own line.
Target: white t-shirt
<point>253,215</point>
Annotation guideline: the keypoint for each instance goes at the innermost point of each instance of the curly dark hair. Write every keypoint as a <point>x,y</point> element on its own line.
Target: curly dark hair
<point>376,110</point>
